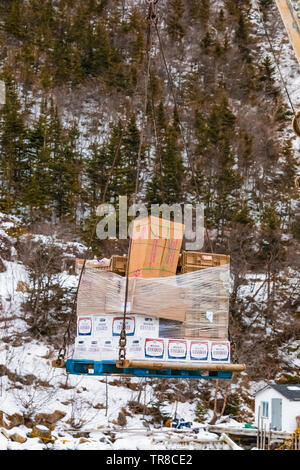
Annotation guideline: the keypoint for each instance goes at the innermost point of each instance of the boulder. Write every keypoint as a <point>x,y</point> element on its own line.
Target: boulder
<point>18,438</point>
<point>21,286</point>
<point>42,432</point>
<point>82,440</point>
<point>3,423</point>
<point>15,420</point>
<point>49,420</point>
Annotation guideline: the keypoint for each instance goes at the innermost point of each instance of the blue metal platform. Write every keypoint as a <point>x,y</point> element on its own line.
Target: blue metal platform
<point>100,368</point>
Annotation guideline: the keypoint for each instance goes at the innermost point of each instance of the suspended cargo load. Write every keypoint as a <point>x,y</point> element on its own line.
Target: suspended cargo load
<point>170,318</point>
<point>174,325</point>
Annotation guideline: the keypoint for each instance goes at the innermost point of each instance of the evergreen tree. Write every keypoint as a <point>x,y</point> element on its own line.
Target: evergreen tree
<point>12,147</point>
<point>166,184</point>
<point>38,184</point>
<point>127,170</point>
<point>65,171</point>
<point>99,169</point>
<point>199,10</point>
<point>175,24</point>
<point>267,77</point>
<point>14,23</point>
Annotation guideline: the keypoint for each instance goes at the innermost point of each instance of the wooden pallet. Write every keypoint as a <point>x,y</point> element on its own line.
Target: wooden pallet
<point>155,370</point>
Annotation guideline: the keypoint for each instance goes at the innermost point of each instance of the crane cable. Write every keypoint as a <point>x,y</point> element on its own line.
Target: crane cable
<point>186,148</point>
<point>275,58</point>
<point>151,22</point>
<point>296,117</point>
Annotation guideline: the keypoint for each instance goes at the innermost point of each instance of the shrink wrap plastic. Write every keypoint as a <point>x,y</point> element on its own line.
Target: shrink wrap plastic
<point>191,305</point>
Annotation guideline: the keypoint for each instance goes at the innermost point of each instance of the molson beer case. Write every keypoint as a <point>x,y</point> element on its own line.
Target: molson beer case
<point>220,351</point>
<point>117,325</point>
<point>109,350</point>
<point>84,326</point>
<point>177,349</point>
<point>110,325</point>
<point>199,350</point>
<point>102,325</point>
<point>154,349</point>
<point>151,348</point>
<point>94,349</point>
<point>81,348</point>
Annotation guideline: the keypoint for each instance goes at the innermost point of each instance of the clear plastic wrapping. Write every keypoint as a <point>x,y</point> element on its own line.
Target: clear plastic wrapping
<point>191,305</point>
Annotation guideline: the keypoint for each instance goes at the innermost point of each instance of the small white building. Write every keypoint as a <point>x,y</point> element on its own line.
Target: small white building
<point>277,407</point>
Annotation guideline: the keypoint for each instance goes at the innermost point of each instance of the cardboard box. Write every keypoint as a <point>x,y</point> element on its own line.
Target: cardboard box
<point>162,301</point>
<point>197,325</point>
<point>109,349</point>
<point>220,351</point>
<point>155,247</point>
<point>102,325</point>
<point>84,326</point>
<point>147,299</point>
<point>135,348</point>
<point>81,348</point>
<point>94,349</point>
<point>177,350</point>
<point>130,325</point>
<point>154,349</point>
<point>199,350</point>
<point>147,326</point>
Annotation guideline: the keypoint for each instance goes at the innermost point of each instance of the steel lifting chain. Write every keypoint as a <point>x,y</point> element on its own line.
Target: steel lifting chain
<point>152,22</point>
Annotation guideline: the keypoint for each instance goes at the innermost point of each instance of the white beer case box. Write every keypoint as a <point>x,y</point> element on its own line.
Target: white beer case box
<point>177,349</point>
<point>135,348</point>
<point>109,349</point>
<point>81,348</point>
<point>102,326</point>
<point>154,349</point>
<point>220,351</point>
<point>199,350</point>
<point>147,326</point>
<point>84,326</point>
<point>94,349</point>
<point>117,325</point>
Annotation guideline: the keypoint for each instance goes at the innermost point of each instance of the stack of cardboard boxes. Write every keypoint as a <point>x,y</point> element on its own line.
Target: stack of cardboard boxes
<point>169,317</point>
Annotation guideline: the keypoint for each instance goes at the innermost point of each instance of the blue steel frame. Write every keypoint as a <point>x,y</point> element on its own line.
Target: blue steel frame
<point>95,368</point>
